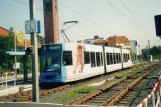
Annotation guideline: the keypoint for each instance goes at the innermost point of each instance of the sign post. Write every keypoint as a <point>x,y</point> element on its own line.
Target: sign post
<point>18,38</point>
<point>33,27</point>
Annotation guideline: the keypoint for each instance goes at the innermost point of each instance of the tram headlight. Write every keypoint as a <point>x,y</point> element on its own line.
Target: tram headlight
<point>58,73</point>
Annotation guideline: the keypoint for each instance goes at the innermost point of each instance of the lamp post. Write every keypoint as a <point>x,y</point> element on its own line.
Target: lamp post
<point>63,30</point>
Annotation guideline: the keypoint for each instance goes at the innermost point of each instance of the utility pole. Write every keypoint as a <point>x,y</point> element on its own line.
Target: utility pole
<point>149,51</point>
<point>35,79</point>
<point>15,61</point>
<point>140,54</point>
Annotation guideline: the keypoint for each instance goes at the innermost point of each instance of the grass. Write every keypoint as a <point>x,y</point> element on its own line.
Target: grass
<point>130,72</point>
<point>159,73</point>
<point>75,92</point>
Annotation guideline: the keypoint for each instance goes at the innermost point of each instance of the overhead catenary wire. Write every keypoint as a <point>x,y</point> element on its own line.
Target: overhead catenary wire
<point>155,43</point>
<point>132,15</point>
<point>26,4</point>
<point>120,12</point>
<point>85,17</point>
<point>71,10</point>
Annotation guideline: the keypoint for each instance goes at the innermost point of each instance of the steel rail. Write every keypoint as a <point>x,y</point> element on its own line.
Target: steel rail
<point>115,97</point>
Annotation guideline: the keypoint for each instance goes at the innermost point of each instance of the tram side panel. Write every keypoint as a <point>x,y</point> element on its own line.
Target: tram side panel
<point>126,58</point>
<point>113,59</point>
<point>96,59</point>
<point>84,62</point>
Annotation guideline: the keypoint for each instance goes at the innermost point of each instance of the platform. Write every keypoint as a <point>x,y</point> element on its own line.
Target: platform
<point>11,88</point>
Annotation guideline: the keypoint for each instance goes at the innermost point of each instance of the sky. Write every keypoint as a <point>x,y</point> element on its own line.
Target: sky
<point>131,18</point>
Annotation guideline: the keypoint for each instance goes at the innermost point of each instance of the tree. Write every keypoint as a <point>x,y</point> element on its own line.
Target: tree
<point>6,44</point>
<point>155,51</point>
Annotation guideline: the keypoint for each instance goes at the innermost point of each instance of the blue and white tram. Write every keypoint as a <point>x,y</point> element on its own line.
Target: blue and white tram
<point>67,62</point>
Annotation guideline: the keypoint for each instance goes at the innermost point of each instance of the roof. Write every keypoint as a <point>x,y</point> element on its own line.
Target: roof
<point>4,28</point>
<point>118,39</point>
<point>4,32</point>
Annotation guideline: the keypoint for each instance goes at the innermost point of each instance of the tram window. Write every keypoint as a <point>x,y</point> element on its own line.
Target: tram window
<point>101,59</point>
<point>92,56</point>
<point>114,58</point>
<point>86,58</point>
<point>108,58</point>
<point>123,57</point>
<point>44,64</point>
<point>98,58</point>
<point>128,56</point>
<point>67,57</point>
<point>117,57</point>
<point>111,59</point>
<point>120,57</point>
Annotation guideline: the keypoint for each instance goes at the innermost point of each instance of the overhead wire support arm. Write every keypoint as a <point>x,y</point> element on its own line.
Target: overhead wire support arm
<point>63,32</point>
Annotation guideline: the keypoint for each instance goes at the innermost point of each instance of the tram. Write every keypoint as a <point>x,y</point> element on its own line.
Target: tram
<point>68,62</point>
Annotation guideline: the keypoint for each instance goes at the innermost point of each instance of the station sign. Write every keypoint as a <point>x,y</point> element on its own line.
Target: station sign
<point>19,37</point>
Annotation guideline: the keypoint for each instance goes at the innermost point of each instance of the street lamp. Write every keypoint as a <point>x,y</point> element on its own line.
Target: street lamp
<point>63,30</point>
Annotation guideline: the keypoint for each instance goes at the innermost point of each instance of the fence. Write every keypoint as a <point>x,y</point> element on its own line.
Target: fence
<point>5,79</point>
<point>153,97</point>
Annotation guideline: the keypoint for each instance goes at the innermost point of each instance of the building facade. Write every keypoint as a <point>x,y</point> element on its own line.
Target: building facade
<point>116,41</point>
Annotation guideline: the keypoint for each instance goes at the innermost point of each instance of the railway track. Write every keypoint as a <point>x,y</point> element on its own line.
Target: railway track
<point>123,92</point>
<point>27,95</point>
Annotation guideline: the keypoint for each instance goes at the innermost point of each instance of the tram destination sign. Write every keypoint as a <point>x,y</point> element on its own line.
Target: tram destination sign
<point>55,47</point>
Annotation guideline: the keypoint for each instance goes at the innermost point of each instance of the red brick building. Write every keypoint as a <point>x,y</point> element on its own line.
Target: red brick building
<point>115,41</point>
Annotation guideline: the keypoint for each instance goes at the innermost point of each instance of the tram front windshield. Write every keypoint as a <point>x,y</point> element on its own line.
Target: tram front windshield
<point>51,64</point>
